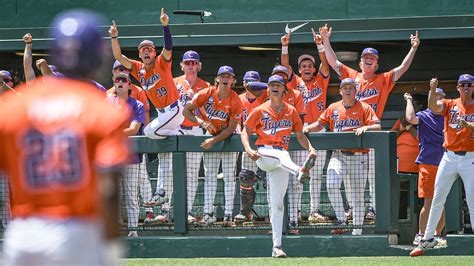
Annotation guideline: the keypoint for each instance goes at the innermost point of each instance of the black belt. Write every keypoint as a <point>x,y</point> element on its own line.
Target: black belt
<point>462,153</point>
<point>173,105</point>
<point>275,147</point>
<point>187,127</point>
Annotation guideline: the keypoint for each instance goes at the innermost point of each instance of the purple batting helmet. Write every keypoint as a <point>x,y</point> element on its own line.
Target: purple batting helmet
<point>371,51</point>
<point>251,76</point>
<point>77,48</point>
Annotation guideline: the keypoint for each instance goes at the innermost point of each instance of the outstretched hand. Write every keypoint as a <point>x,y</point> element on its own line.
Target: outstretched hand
<point>414,40</point>
<point>285,39</point>
<point>164,19</point>
<point>113,32</point>
<point>325,32</point>
<point>316,37</point>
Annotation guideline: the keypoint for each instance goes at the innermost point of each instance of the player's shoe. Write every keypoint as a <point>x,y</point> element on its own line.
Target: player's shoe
<point>348,213</point>
<point>156,200</point>
<point>132,234</point>
<point>293,230</point>
<point>442,242</point>
<point>303,174</point>
<point>422,246</point>
<point>207,219</point>
<point>150,218</point>
<point>191,219</point>
<point>227,220</point>
<point>417,239</point>
<point>240,218</point>
<point>163,217</point>
<point>317,217</point>
<point>370,215</point>
<point>278,253</point>
<point>340,231</point>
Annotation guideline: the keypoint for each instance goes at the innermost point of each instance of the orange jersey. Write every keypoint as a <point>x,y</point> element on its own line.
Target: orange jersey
<point>341,119</point>
<point>137,93</point>
<point>184,90</point>
<point>375,91</point>
<point>457,138</point>
<point>248,105</point>
<point>158,82</point>
<point>295,98</point>
<point>273,128</point>
<point>53,145</point>
<point>218,112</point>
<point>314,95</point>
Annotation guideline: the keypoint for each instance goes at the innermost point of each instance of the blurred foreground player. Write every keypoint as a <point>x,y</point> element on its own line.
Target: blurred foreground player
<point>64,168</point>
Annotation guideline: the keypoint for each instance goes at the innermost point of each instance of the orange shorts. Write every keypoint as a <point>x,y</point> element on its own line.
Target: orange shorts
<point>426,180</point>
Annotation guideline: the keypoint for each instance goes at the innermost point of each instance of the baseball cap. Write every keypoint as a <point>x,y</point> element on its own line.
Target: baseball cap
<point>276,78</point>
<point>348,81</point>
<point>305,57</point>
<point>121,75</point>
<point>371,51</point>
<point>53,68</point>
<point>191,56</point>
<point>280,69</point>
<point>252,75</point>
<point>465,78</point>
<point>440,91</point>
<point>146,43</point>
<point>6,73</point>
<point>116,64</point>
<point>225,70</point>
<point>257,86</point>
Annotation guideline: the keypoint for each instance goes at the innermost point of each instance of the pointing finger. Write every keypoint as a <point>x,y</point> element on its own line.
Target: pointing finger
<point>416,34</point>
<point>312,30</point>
<point>113,23</point>
<point>162,11</point>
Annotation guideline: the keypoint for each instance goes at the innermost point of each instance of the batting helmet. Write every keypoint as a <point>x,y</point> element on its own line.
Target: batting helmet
<point>77,49</point>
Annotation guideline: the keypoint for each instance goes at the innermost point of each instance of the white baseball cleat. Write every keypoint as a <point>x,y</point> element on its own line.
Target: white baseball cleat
<point>132,234</point>
<point>417,239</point>
<point>156,200</point>
<point>278,253</point>
<point>422,246</point>
<point>207,219</point>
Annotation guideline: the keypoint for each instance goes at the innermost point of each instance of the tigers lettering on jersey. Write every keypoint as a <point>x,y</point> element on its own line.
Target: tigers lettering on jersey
<point>271,127</point>
<point>456,137</point>
<point>212,113</point>
<point>149,83</point>
<point>344,124</point>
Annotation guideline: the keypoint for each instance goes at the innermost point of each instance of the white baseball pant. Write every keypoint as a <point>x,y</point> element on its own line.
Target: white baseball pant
<point>167,123</point>
<point>164,184</point>
<point>5,212</point>
<point>295,188</point>
<point>278,165</point>
<point>211,167</point>
<point>316,174</point>
<point>450,166</point>
<point>371,178</point>
<point>353,170</point>
<point>41,241</point>
<point>193,163</point>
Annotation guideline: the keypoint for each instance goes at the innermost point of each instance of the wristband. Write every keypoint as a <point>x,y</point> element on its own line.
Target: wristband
<point>114,37</point>
<point>320,48</point>
<point>284,50</point>
<point>167,38</point>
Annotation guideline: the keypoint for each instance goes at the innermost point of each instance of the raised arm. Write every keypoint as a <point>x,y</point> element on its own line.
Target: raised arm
<point>285,56</point>
<point>324,67</point>
<point>410,115</point>
<point>117,51</point>
<point>164,19</point>
<point>401,69</point>
<point>28,58</point>
<point>434,105</point>
<point>325,33</point>
<point>43,66</point>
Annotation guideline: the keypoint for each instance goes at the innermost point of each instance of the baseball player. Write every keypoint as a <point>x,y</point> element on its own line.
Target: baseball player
<point>255,95</point>
<point>458,159</point>
<point>135,170</point>
<point>6,82</point>
<point>155,77</point>
<point>188,85</point>
<point>295,187</point>
<point>313,87</point>
<point>222,111</point>
<point>348,114</point>
<point>430,136</point>
<point>372,88</point>
<point>58,158</point>
<point>273,122</point>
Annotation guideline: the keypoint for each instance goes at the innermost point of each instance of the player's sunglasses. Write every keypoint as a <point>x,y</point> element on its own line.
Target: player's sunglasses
<point>147,49</point>
<point>191,63</point>
<point>6,80</point>
<point>124,80</point>
<point>466,85</point>
<point>249,80</point>
<point>122,69</point>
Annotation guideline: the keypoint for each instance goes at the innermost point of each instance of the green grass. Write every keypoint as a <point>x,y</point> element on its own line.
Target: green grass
<point>425,260</point>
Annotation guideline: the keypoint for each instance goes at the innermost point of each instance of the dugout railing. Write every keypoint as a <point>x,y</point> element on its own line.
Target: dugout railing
<point>383,142</point>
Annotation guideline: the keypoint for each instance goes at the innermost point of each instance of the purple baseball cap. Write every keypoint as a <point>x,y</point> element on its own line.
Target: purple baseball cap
<point>276,78</point>
<point>116,64</point>
<point>146,43</point>
<point>257,86</point>
<point>191,56</point>
<point>280,69</point>
<point>6,73</point>
<point>53,68</point>
<point>251,76</point>
<point>465,78</point>
<point>348,81</point>
<point>371,51</point>
<point>306,57</point>
<point>440,91</point>
<point>225,70</point>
